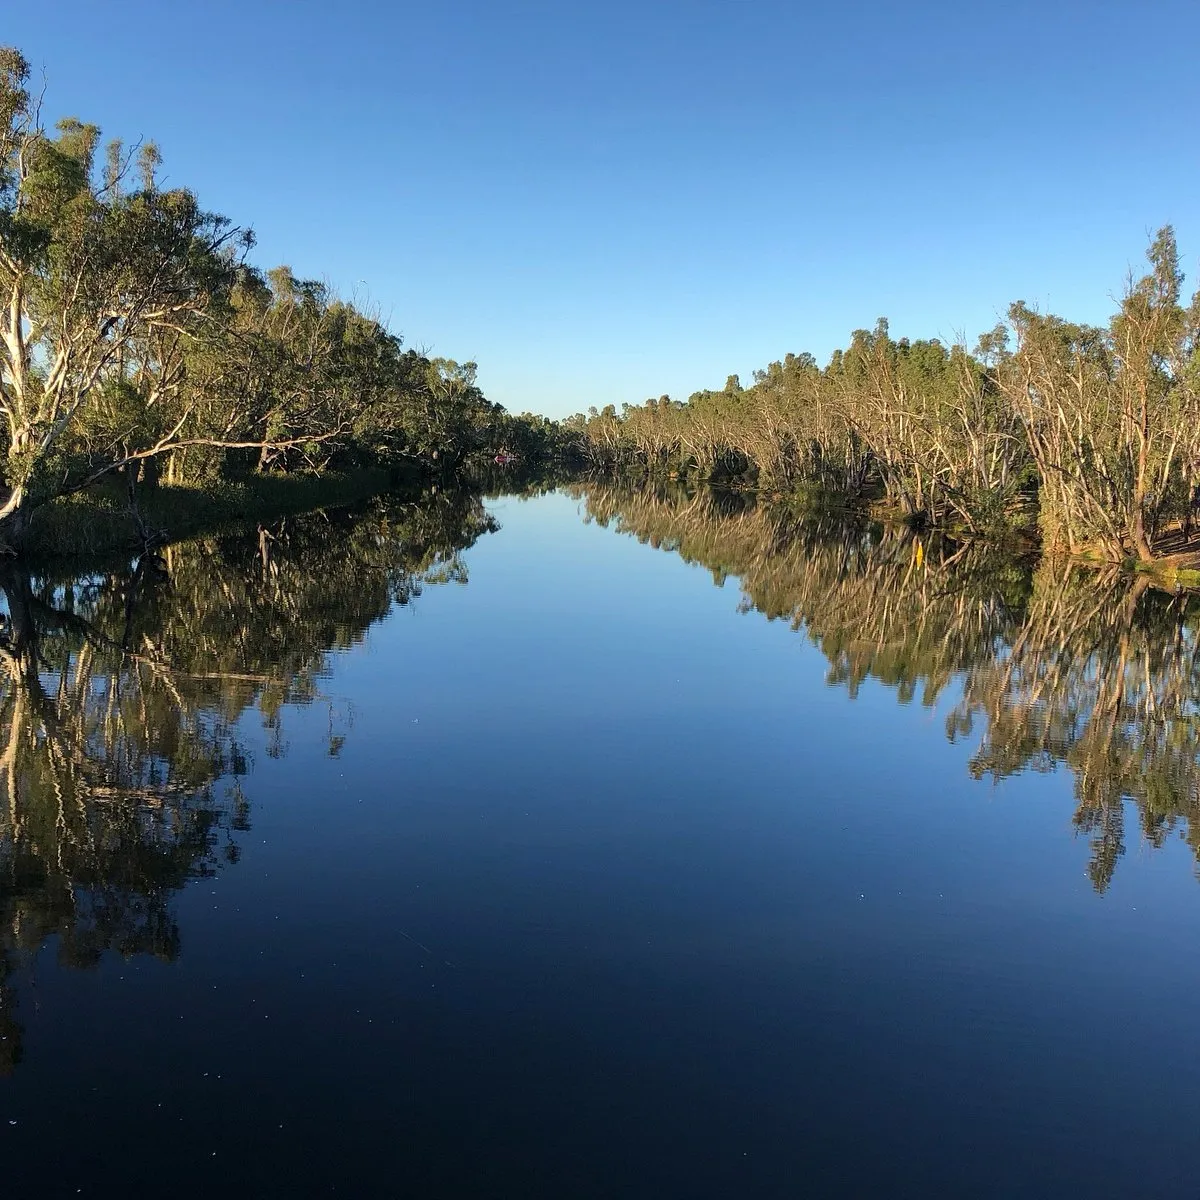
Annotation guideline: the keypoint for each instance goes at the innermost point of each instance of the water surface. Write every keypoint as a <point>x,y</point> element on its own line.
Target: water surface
<point>453,848</point>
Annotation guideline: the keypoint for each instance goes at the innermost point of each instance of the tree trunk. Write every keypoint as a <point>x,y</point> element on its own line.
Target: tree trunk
<point>1141,543</point>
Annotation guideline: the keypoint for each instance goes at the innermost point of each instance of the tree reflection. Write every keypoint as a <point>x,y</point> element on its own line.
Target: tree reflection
<point>1103,675</point>
<point>122,695</point>
<point>1053,665</point>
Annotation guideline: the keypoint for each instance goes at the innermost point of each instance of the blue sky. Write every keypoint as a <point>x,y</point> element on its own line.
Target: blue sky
<point>605,202</point>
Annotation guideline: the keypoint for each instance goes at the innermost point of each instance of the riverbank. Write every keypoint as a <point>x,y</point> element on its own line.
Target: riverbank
<point>99,522</point>
<point>1017,539</point>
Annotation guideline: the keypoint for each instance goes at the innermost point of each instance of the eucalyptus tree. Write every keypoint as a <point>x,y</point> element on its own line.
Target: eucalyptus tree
<point>97,281</point>
<point>1112,415</point>
<point>133,333</point>
<point>1090,433</point>
<point>290,377</point>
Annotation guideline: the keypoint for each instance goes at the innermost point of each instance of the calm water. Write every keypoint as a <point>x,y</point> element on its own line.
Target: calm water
<point>487,850</point>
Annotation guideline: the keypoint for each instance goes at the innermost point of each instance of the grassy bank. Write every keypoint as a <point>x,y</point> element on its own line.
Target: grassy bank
<point>99,522</point>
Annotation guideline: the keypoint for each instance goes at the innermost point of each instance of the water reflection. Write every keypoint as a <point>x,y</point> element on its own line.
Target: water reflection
<point>121,694</point>
<point>1049,665</point>
<point>1101,674</point>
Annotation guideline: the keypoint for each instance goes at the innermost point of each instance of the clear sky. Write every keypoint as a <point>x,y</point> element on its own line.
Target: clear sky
<point>602,202</point>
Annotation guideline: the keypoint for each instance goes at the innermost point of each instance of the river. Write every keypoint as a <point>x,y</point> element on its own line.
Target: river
<point>596,844</point>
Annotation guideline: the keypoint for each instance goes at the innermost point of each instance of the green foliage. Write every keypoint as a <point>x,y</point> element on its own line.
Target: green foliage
<point>135,339</point>
<point>1092,435</point>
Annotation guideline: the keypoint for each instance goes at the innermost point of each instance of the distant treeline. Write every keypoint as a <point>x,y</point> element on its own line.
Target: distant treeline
<point>1089,434</point>
<point>137,341</point>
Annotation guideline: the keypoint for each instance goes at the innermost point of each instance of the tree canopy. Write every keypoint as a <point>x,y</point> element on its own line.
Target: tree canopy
<point>137,338</point>
<point>1088,435</point>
